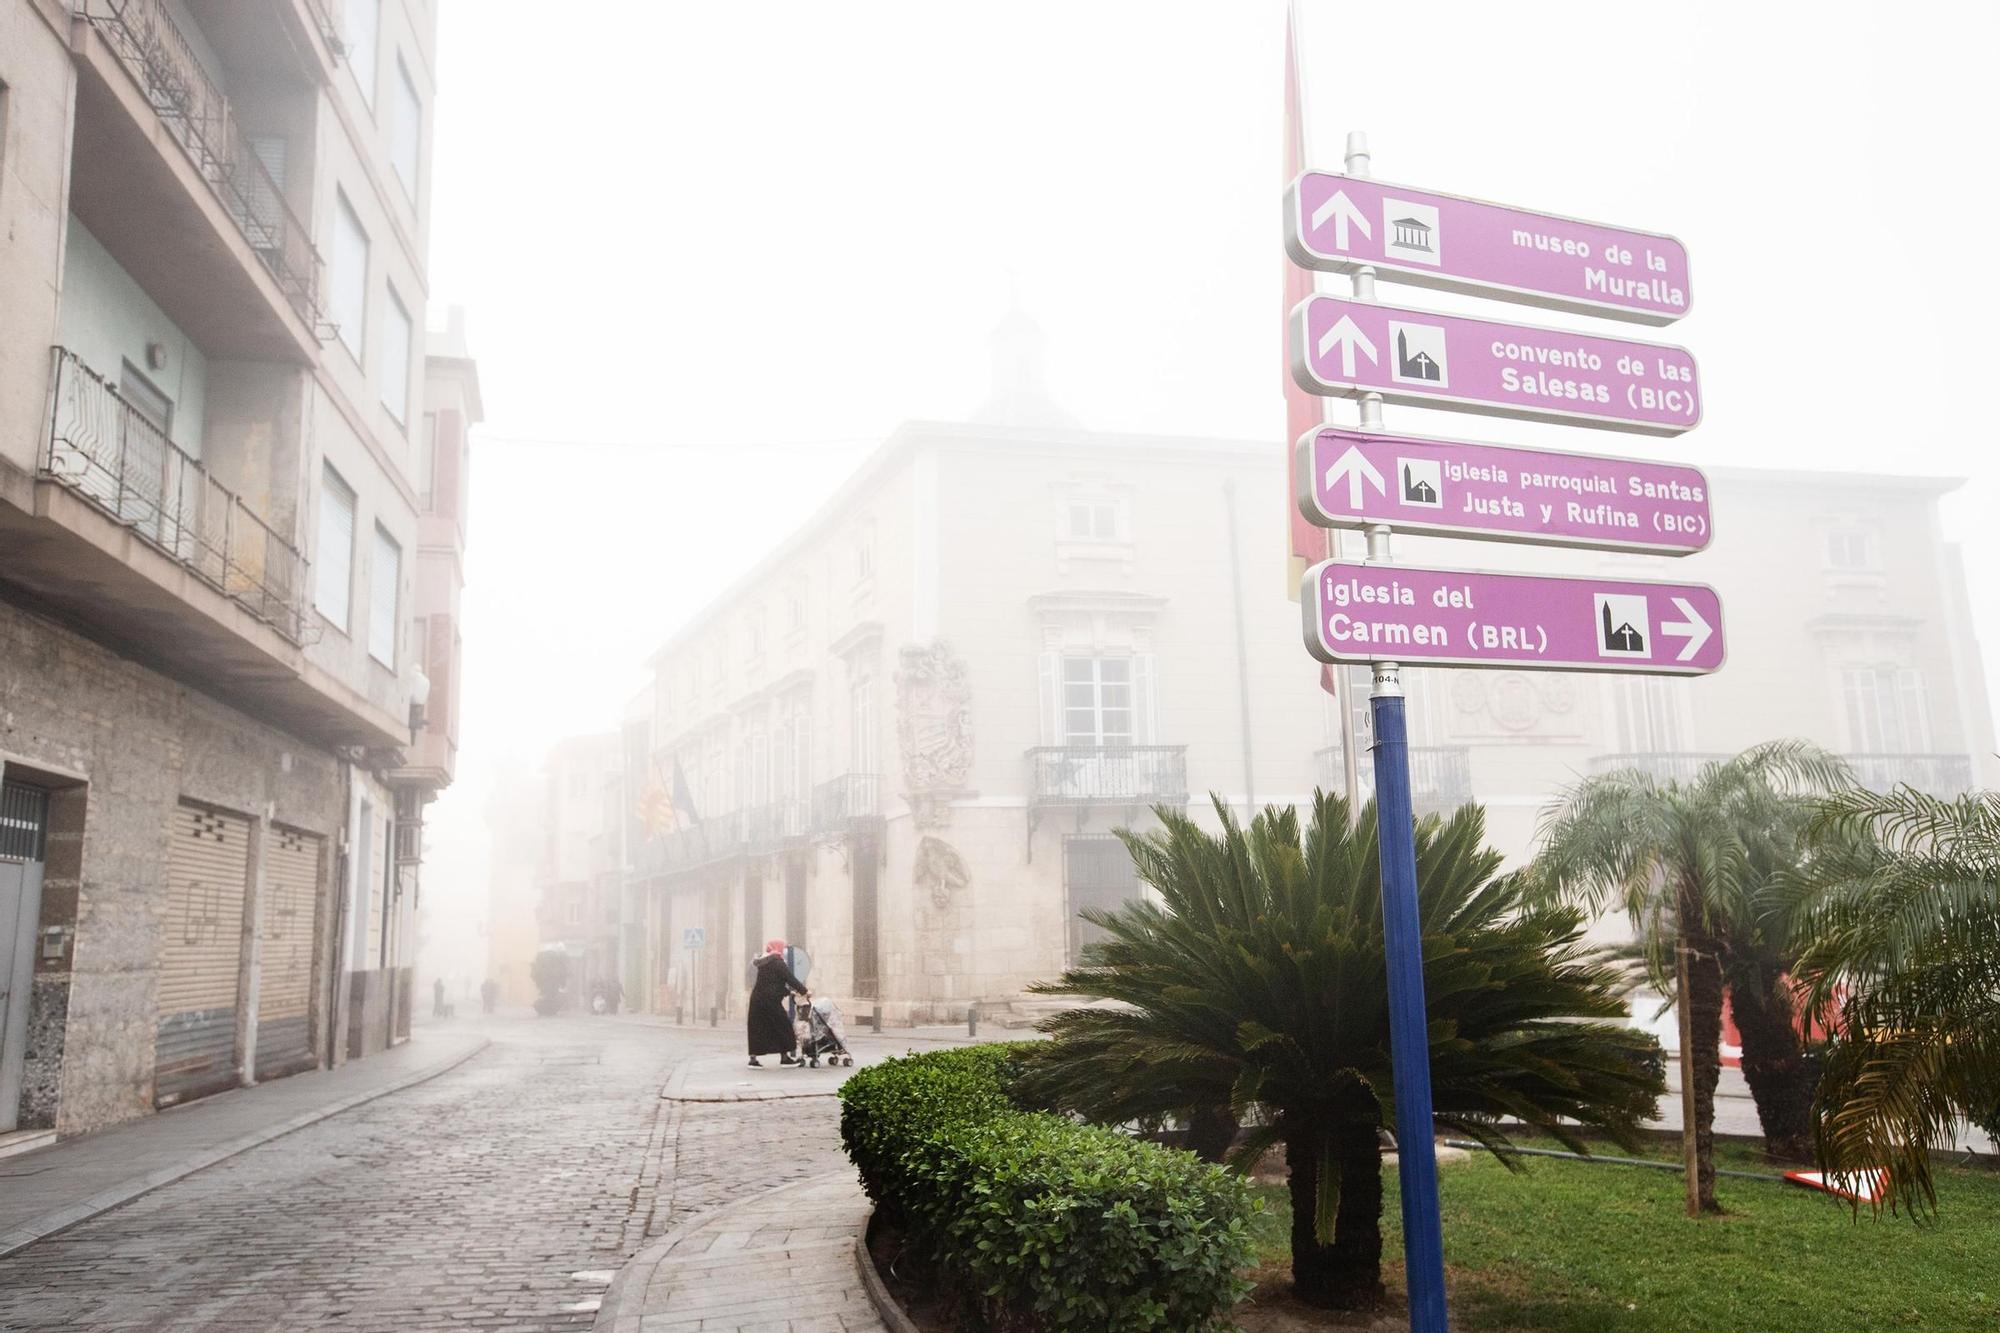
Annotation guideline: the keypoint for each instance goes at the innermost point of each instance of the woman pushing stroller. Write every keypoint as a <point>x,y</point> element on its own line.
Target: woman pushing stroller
<point>770,1029</point>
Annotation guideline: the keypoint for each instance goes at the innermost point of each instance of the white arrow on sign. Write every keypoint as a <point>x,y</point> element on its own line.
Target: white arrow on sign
<point>1342,210</point>
<point>1694,627</point>
<point>1346,335</point>
<point>1354,465</point>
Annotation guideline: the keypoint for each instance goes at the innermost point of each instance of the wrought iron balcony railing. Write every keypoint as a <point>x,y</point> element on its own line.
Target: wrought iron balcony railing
<point>1135,775</point>
<point>1440,776</point>
<point>110,454</point>
<point>839,801</point>
<point>158,57</point>
<point>1947,775</point>
<point>1935,774</point>
<point>1660,765</point>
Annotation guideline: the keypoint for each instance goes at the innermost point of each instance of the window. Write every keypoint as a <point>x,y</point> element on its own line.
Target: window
<point>861,714</point>
<point>383,613</point>
<point>427,448</point>
<point>1851,549</point>
<point>362,36</point>
<point>795,611</point>
<point>1098,701</point>
<point>864,560</point>
<point>1094,521</point>
<point>395,368</point>
<point>1886,710</point>
<point>349,306</point>
<point>1649,715</point>
<point>144,397</point>
<point>335,558</point>
<point>406,135</point>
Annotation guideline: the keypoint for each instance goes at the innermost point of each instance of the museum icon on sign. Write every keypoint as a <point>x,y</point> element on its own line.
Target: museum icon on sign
<point>1410,232</point>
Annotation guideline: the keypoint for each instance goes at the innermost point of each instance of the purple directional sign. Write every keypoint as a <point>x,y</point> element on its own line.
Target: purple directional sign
<point>1356,612</point>
<point>1348,348</point>
<point>1353,478</point>
<point>1340,223</point>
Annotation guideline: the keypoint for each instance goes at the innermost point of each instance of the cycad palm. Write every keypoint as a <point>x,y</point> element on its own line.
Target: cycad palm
<point>1690,863</point>
<point>1906,959</point>
<point>1258,981</point>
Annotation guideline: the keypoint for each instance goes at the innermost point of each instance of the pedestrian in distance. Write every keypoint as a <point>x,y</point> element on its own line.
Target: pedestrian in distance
<point>488,994</point>
<point>437,998</point>
<point>770,1030</point>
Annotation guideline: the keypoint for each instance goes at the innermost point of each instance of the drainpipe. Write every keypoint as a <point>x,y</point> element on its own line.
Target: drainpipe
<point>1242,649</point>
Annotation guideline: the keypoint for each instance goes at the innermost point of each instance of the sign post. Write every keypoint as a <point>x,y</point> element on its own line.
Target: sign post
<point>1374,612</point>
<point>1402,932</point>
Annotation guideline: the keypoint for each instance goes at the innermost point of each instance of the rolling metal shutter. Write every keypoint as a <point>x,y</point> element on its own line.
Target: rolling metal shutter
<point>285,951</point>
<point>208,859</point>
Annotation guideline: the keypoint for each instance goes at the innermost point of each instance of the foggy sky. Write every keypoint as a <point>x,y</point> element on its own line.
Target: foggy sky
<point>711,254</point>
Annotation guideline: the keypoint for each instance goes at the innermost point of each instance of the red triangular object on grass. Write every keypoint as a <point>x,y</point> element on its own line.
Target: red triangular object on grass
<point>1860,1186</point>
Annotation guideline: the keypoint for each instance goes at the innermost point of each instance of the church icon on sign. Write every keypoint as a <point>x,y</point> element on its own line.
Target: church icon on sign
<point>1622,625</point>
<point>1418,354</point>
<point>1421,482</point>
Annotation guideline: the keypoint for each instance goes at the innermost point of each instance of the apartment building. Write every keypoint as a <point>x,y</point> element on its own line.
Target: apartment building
<point>222,706</point>
<point>579,886</point>
<point>908,734</point>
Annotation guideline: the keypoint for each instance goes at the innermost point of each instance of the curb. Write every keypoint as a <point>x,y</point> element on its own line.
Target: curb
<point>613,1317</point>
<point>878,1290</point>
<point>674,1090</point>
<point>48,1224</point>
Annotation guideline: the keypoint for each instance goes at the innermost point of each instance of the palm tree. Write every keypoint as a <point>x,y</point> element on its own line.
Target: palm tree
<point>1905,962</point>
<point>1258,982</point>
<point>1693,865</point>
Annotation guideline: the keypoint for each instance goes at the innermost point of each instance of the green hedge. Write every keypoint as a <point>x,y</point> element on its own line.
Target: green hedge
<point>1049,1223</point>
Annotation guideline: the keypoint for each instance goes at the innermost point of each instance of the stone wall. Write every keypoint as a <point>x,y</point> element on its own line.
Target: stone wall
<point>130,744</point>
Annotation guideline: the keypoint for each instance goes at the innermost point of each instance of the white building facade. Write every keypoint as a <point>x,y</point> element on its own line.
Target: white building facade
<point>909,733</point>
<point>212,426</point>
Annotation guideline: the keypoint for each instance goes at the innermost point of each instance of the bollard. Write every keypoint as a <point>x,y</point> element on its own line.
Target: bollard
<point>972,1019</point>
<point>711,1015</point>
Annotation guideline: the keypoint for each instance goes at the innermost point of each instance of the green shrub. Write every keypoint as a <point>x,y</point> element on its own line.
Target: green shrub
<point>1049,1223</point>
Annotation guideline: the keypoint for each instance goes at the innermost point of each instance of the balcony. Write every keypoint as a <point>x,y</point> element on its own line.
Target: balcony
<point>1128,775</point>
<point>1440,776</point>
<point>121,463</point>
<point>839,802</point>
<point>1682,766</point>
<point>1946,775</point>
<point>136,544</point>
<point>168,179</point>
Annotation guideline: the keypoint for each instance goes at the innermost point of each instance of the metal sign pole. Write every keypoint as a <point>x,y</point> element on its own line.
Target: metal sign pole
<point>1402,932</point>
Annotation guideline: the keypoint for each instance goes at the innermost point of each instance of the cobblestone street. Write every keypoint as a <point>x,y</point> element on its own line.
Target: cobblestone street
<point>502,1194</point>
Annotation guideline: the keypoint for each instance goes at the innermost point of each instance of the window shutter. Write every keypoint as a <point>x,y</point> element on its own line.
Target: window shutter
<point>386,579</point>
<point>336,549</point>
<point>1145,701</point>
<point>1051,728</point>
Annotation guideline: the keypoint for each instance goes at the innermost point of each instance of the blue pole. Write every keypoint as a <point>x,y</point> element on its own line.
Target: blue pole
<point>1409,1038</point>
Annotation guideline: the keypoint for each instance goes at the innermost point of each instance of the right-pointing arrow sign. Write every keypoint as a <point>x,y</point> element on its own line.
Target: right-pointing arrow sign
<point>1696,629</point>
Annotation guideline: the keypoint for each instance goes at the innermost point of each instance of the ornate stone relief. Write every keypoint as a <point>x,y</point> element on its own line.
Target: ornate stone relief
<point>940,869</point>
<point>1538,705</point>
<point>934,730</point>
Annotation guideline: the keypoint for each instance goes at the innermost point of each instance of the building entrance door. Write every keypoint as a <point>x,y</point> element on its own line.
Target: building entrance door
<point>23,818</point>
<point>1097,874</point>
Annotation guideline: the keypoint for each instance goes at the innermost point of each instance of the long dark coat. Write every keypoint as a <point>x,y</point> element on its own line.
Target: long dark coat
<point>770,1030</point>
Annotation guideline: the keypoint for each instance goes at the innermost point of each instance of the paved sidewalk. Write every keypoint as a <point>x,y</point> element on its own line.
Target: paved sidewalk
<point>45,1191</point>
<point>781,1262</point>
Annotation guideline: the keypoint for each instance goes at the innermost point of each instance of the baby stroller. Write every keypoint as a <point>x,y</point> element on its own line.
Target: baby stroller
<point>825,1035</point>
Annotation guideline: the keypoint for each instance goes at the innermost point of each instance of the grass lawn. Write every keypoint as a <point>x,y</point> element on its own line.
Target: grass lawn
<point>1578,1248</point>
